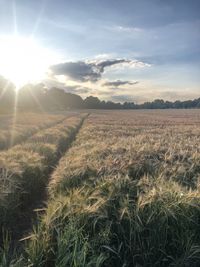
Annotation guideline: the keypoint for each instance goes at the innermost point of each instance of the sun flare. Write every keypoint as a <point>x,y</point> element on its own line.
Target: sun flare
<point>23,60</point>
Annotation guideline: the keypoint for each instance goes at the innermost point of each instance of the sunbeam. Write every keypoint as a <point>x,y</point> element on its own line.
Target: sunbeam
<point>14,18</point>
<point>39,17</point>
<point>23,60</point>
<point>12,137</point>
<point>4,89</point>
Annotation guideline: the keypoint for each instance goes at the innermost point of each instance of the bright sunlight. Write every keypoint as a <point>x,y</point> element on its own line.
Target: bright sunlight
<point>23,60</point>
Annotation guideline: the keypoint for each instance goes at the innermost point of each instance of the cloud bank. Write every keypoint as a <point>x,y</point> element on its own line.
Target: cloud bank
<point>92,70</point>
<point>119,83</point>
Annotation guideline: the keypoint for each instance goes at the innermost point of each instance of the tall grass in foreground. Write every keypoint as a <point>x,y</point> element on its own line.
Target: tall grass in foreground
<point>118,221</point>
<point>24,172</point>
<point>123,195</point>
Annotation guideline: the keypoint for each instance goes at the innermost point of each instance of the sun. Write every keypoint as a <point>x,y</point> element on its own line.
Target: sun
<point>23,60</point>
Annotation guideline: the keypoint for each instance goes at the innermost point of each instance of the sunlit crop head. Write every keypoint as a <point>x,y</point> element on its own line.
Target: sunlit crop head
<point>23,60</point>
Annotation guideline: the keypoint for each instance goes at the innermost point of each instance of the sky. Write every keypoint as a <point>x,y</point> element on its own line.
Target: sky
<point>120,50</point>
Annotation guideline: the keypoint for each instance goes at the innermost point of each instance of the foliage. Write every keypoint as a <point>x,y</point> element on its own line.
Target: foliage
<point>38,97</point>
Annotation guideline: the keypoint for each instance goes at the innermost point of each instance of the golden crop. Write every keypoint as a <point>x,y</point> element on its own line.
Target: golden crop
<point>126,193</point>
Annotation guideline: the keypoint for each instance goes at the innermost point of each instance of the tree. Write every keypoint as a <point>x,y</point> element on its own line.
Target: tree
<point>31,96</point>
<point>7,94</point>
<point>92,102</point>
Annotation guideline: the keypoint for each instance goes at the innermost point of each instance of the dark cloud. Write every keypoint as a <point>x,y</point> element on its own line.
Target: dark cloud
<point>80,71</point>
<point>119,83</point>
<point>89,70</point>
<point>110,62</point>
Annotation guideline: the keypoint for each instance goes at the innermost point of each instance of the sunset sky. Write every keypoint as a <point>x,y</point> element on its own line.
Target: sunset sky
<point>128,50</point>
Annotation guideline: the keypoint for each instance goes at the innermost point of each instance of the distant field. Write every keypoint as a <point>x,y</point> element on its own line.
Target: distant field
<point>15,129</point>
<point>125,193</point>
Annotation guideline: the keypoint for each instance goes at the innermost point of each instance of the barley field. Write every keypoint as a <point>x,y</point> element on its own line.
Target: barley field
<point>108,188</point>
<point>16,128</point>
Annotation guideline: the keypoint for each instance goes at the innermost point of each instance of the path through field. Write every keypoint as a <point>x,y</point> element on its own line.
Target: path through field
<point>25,169</point>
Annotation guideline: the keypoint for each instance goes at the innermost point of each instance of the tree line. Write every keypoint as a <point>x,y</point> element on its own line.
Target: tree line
<point>35,97</point>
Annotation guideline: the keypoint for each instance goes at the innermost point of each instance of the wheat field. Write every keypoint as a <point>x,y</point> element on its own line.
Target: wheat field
<point>15,128</point>
<point>125,191</point>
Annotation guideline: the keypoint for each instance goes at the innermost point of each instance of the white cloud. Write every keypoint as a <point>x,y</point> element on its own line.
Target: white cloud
<point>93,69</point>
<point>127,29</point>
